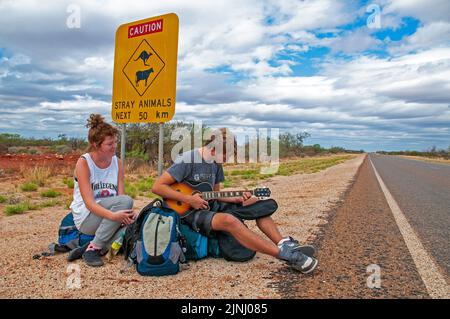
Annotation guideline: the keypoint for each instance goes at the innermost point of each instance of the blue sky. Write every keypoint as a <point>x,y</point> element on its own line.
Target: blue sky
<point>322,66</point>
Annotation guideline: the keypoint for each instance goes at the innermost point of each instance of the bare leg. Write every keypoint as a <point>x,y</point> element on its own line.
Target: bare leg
<point>268,227</point>
<point>229,223</point>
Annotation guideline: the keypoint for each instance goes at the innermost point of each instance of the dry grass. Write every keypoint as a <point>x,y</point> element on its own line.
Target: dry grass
<point>428,159</point>
<point>37,175</point>
<point>138,167</point>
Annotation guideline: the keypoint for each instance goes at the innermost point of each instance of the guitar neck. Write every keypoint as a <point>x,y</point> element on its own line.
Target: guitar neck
<point>224,194</point>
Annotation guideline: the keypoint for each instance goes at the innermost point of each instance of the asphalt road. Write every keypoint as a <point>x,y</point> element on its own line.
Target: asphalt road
<point>361,232</point>
<point>422,191</point>
<point>363,239</point>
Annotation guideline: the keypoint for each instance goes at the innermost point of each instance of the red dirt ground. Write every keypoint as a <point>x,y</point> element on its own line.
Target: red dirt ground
<point>13,162</point>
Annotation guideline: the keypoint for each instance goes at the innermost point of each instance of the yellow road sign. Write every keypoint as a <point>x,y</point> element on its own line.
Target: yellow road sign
<point>145,70</point>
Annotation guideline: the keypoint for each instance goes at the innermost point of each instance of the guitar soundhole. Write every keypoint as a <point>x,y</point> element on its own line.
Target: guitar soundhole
<point>179,203</point>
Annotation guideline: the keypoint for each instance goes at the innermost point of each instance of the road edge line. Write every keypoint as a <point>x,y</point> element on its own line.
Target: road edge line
<point>434,281</point>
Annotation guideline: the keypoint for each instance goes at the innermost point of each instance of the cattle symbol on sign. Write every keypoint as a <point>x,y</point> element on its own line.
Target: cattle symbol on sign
<point>143,67</point>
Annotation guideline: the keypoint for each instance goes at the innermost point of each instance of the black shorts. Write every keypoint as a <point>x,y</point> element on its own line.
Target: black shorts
<point>200,221</point>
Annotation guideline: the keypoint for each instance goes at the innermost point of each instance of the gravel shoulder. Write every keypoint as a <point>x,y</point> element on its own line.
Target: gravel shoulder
<point>305,202</point>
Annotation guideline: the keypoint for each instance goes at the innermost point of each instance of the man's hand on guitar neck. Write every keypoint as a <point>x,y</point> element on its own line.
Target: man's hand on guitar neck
<point>245,199</point>
<point>197,202</point>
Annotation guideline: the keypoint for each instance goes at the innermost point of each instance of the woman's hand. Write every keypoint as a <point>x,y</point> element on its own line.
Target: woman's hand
<point>135,215</point>
<point>124,217</point>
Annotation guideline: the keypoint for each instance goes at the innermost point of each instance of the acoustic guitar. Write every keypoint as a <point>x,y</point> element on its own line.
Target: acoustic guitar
<point>208,194</point>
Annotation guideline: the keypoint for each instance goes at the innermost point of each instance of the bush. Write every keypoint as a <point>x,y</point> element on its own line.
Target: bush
<point>16,150</point>
<point>37,175</point>
<point>49,203</point>
<point>3,199</point>
<point>29,187</point>
<point>69,182</point>
<point>145,185</point>
<point>131,190</point>
<point>137,154</point>
<point>16,209</point>
<point>50,193</point>
<point>62,149</point>
<point>3,149</point>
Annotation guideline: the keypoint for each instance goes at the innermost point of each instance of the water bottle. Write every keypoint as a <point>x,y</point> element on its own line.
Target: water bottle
<point>115,246</point>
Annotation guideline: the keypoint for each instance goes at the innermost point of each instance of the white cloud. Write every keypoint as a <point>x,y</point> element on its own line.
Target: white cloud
<point>435,34</point>
<point>352,42</point>
<point>403,98</point>
<point>291,15</point>
<point>79,103</point>
<point>228,73</point>
<point>426,11</point>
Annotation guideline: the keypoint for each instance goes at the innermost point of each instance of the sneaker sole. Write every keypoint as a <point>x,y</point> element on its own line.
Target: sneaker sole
<point>311,268</point>
<point>308,270</point>
<point>93,264</point>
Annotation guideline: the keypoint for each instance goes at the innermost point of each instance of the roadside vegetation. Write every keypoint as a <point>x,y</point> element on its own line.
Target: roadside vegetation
<point>29,187</point>
<point>51,193</point>
<point>39,187</point>
<point>15,143</point>
<point>433,154</point>
<point>37,175</point>
<point>253,175</point>
<point>26,206</point>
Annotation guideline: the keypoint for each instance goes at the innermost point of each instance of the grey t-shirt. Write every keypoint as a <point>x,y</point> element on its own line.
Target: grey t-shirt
<point>191,167</point>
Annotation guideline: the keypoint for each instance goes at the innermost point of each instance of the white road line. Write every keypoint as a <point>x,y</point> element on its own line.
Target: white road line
<point>432,278</point>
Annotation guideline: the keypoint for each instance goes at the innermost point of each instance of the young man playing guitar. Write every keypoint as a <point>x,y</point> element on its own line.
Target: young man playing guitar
<point>204,165</point>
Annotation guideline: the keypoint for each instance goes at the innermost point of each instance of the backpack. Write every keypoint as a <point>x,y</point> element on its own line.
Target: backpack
<point>196,243</point>
<point>199,246</point>
<point>69,236</point>
<point>154,242</point>
<point>222,244</point>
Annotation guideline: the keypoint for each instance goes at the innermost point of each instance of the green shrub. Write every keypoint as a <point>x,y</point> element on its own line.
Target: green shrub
<point>3,199</point>
<point>145,185</point>
<point>227,183</point>
<point>29,187</point>
<point>138,154</point>
<point>49,203</point>
<point>69,182</point>
<point>130,190</point>
<point>50,193</point>
<point>16,209</point>
<point>33,206</point>
<point>61,149</point>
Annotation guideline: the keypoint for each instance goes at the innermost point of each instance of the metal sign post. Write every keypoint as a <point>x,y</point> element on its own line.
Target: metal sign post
<point>145,74</point>
<point>161,149</point>
<point>123,138</point>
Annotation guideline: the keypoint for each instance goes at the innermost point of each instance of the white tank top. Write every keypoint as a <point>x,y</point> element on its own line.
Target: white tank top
<point>104,183</point>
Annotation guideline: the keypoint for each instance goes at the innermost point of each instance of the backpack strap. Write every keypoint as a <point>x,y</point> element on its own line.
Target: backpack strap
<point>132,233</point>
